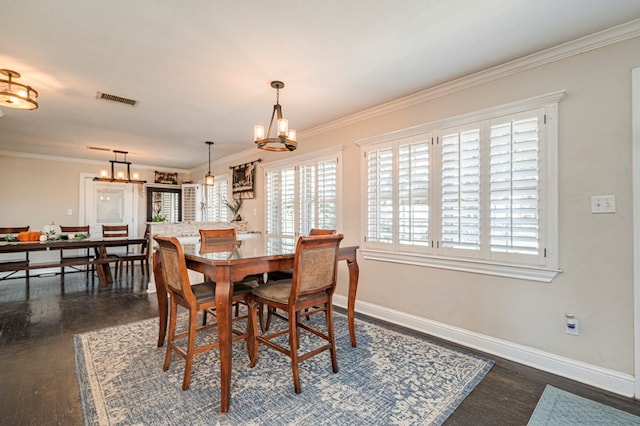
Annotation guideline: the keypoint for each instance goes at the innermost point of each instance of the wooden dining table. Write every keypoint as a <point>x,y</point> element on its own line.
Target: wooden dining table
<point>252,257</point>
<point>99,244</point>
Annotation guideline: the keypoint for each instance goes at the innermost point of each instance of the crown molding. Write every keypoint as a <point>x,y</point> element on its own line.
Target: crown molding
<point>584,44</point>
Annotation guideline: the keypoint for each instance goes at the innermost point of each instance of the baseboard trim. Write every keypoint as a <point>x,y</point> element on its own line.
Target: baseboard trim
<point>610,380</point>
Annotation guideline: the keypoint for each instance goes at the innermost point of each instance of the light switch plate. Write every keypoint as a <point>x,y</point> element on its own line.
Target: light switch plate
<point>603,204</point>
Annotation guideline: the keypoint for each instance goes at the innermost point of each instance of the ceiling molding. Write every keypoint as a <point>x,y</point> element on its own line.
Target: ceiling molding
<point>597,40</point>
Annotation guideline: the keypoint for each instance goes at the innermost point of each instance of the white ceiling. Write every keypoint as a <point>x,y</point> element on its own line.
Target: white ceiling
<point>201,69</point>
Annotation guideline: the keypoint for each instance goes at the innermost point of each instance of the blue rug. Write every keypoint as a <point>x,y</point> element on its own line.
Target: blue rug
<point>390,378</point>
<point>557,407</point>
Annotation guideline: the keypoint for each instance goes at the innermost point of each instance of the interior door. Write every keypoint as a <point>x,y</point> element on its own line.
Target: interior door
<point>107,203</point>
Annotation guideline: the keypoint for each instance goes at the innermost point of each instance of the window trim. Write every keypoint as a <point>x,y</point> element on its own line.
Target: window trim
<point>549,200</point>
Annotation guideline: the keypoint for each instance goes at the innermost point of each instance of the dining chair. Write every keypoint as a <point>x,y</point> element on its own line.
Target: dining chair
<point>116,231</point>
<point>287,274</point>
<point>195,298</point>
<point>313,284</point>
<point>85,254</point>
<point>142,255</point>
<point>8,263</point>
<point>225,240</point>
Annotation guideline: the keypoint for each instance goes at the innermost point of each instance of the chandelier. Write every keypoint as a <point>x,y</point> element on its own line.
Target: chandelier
<point>208,178</point>
<point>119,176</point>
<point>285,139</point>
<point>16,95</point>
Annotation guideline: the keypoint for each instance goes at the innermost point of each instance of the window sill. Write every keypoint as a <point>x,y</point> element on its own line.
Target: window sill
<point>523,272</point>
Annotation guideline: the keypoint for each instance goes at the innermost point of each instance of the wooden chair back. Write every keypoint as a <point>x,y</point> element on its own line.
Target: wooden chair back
<point>318,231</point>
<point>315,265</point>
<point>113,231</point>
<point>217,239</point>
<point>174,268</point>
<point>13,230</point>
<point>82,229</point>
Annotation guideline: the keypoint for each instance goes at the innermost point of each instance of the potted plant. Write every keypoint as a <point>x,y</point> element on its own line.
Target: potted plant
<point>235,207</point>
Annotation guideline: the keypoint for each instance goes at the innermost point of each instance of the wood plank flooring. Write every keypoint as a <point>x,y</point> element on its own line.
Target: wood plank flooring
<point>37,367</point>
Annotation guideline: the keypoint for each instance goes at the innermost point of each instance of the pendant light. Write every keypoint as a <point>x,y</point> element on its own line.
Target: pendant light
<point>285,139</point>
<point>208,179</point>
<point>14,94</point>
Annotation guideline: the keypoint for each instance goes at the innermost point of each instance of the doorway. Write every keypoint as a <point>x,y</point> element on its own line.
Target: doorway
<point>108,203</point>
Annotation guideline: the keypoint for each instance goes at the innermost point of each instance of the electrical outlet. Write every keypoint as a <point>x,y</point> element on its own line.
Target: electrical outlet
<point>572,326</point>
<point>603,204</point>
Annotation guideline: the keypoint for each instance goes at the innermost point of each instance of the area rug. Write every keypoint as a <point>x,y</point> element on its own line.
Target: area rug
<point>557,407</point>
<point>390,378</point>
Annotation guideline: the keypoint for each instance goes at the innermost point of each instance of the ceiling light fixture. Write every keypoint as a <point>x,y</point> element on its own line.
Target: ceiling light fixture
<point>16,95</point>
<point>208,179</point>
<point>120,176</point>
<point>285,139</point>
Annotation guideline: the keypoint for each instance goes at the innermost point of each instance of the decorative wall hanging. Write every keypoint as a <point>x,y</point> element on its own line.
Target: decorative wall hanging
<point>243,183</point>
<point>167,178</point>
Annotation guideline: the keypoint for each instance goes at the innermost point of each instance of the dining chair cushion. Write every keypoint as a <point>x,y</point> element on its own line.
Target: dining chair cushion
<point>207,290</point>
<point>204,291</point>
<point>278,291</point>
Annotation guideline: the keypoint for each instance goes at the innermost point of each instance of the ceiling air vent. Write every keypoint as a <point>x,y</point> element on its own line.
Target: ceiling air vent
<point>114,98</point>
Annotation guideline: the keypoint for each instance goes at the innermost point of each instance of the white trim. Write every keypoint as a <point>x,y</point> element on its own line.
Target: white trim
<point>522,272</point>
<point>603,378</point>
<point>514,107</point>
<point>584,44</point>
<point>635,154</point>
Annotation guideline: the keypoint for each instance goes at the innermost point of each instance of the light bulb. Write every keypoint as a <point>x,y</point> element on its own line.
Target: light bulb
<point>258,132</point>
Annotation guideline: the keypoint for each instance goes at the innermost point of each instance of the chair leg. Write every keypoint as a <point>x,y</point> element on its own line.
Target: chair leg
<point>267,324</point>
<point>330,333</point>
<point>293,351</point>
<point>173,310</point>
<point>191,344</point>
<point>252,338</point>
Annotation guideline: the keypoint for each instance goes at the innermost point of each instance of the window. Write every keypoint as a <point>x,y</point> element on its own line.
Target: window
<point>301,195</point>
<point>474,193</point>
<point>215,196</point>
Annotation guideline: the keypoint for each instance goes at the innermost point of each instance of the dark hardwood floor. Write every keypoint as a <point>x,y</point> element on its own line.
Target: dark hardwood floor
<point>37,367</point>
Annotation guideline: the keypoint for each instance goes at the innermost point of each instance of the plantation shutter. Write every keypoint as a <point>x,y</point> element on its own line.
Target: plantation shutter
<point>413,192</point>
<point>281,202</point>
<point>327,203</point>
<point>380,195</point>
<point>216,199</point>
<point>307,197</point>
<point>514,185</point>
<point>460,203</point>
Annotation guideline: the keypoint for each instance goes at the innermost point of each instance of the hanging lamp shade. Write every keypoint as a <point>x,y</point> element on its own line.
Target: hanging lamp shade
<point>208,178</point>
<point>14,94</point>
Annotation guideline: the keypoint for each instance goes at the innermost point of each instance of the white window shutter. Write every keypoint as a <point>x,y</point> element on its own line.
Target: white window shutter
<point>515,186</point>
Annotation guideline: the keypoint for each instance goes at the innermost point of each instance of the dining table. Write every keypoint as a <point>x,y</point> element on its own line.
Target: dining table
<point>98,244</point>
<point>253,256</point>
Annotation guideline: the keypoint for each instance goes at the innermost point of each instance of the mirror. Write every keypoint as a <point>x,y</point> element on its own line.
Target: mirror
<point>164,204</point>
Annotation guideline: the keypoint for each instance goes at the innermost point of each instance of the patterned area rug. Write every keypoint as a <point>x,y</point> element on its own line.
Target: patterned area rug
<point>557,407</point>
<point>390,378</point>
